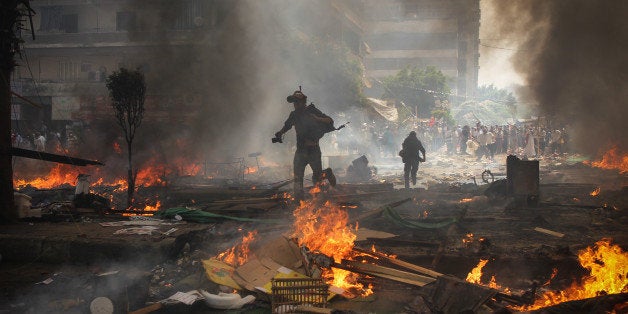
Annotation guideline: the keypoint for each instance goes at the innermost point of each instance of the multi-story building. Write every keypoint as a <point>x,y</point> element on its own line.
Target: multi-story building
<point>439,33</point>
<point>79,42</point>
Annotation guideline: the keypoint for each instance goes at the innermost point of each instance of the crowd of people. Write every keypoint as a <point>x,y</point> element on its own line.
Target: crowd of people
<point>44,140</point>
<point>479,140</point>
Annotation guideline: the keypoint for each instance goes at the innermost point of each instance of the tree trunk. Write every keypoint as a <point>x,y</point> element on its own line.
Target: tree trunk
<point>8,212</point>
<point>130,179</point>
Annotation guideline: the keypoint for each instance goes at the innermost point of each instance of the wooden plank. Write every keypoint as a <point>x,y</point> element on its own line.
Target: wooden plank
<point>419,283</point>
<point>376,269</point>
<point>419,269</point>
<point>379,210</point>
<point>550,232</point>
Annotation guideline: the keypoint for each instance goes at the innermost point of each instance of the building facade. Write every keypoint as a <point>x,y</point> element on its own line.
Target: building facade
<point>78,43</point>
<point>439,33</point>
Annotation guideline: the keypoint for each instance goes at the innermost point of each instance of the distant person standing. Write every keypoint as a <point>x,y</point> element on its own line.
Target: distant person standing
<point>410,156</point>
<point>529,149</point>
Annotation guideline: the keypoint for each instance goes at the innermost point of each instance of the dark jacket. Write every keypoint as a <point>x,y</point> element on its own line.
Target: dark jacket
<point>308,129</point>
<point>411,147</point>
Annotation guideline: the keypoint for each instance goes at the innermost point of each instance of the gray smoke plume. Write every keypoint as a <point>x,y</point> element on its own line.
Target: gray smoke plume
<point>241,66</point>
<point>572,54</point>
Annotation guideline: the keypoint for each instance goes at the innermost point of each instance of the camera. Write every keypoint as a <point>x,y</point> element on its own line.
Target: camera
<point>277,139</point>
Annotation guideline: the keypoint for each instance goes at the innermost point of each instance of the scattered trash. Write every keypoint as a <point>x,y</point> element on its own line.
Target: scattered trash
<point>226,301</point>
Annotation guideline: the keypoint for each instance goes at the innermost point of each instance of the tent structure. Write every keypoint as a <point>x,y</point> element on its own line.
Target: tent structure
<point>487,112</point>
<point>384,108</point>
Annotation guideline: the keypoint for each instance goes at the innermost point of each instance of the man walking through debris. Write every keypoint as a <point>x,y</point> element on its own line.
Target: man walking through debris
<point>310,125</point>
<point>410,156</point>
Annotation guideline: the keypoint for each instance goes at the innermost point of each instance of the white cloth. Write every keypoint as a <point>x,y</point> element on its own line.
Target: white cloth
<point>529,150</point>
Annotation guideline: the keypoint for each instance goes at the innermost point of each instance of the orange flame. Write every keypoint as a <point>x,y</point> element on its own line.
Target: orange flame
<point>468,239</point>
<point>613,160</point>
<point>475,275</point>
<point>59,174</point>
<point>607,265</point>
<point>153,208</point>
<point>116,148</point>
<point>595,192</point>
<point>466,200</point>
<point>250,170</point>
<point>323,228</point>
<point>239,253</point>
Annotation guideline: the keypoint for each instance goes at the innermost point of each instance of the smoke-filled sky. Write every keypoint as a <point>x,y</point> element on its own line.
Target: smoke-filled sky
<point>570,53</point>
<point>572,56</point>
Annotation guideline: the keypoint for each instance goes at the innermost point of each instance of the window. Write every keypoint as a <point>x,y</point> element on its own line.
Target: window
<point>125,21</point>
<point>68,70</point>
<point>69,23</point>
<point>50,18</point>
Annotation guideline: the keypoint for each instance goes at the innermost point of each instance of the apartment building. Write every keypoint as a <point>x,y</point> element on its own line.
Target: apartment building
<point>439,33</point>
<point>79,42</point>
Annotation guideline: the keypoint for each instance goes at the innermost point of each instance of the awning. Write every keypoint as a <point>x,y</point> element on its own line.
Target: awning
<point>385,108</point>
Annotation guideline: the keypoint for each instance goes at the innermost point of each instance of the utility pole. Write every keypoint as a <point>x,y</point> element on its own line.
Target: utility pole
<point>12,15</point>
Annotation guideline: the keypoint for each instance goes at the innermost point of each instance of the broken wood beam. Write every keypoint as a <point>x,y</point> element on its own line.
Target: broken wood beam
<point>419,269</point>
<point>33,154</point>
<point>384,272</point>
<point>550,232</point>
<point>379,210</point>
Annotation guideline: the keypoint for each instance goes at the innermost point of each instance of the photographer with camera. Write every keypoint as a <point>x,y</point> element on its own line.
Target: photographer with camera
<point>310,125</point>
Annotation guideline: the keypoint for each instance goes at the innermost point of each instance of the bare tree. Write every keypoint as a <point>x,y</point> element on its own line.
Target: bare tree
<point>128,92</point>
<point>12,16</point>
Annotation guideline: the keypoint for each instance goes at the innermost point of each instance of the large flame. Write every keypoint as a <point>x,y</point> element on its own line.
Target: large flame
<point>58,175</point>
<point>608,267</point>
<point>323,228</point>
<point>612,159</point>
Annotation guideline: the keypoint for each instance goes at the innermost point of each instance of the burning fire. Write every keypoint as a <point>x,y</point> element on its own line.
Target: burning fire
<point>613,160</point>
<point>595,192</point>
<point>250,170</point>
<point>475,275</point>
<point>323,228</point>
<point>608,266</point>
<point>59,174</point>
<point>466,200</point>
<point>116,148</point>
<point>238,254</point>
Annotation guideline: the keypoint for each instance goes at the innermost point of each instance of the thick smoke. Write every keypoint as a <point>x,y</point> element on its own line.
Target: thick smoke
<point>572,54</point>
<point>241,67</point>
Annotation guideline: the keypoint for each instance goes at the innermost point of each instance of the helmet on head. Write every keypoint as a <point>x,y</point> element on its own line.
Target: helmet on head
<point>412,133</point>
<point>296,97</point>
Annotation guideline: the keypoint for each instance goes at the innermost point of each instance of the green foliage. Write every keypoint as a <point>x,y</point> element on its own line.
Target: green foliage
<point>417,87</point>
<point>445,114</point>
<point>490,92</point>
<point>127,90</point>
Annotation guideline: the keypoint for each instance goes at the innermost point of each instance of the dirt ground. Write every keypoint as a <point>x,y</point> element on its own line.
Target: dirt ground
<point>77,257</point>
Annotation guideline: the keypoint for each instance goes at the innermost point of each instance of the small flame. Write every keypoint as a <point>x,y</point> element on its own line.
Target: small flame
<point>250,170</point>
<point>239,253</point>
<point>466,200</point>
<point>595,192</point>
<point>475,275</point>
<point>153,208</point>
<point>116,148</point>
<point>468,239</point>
